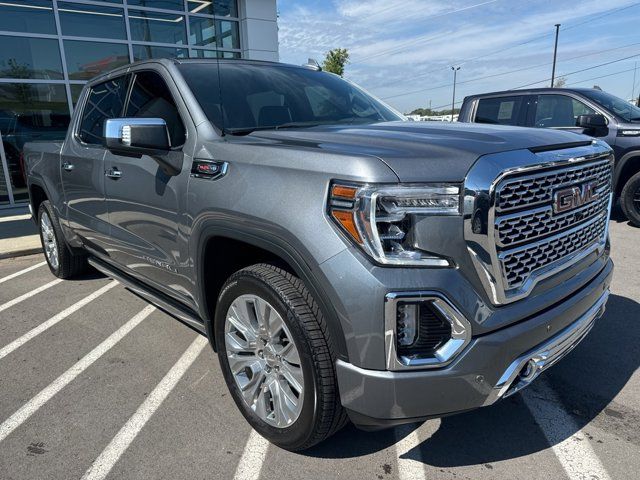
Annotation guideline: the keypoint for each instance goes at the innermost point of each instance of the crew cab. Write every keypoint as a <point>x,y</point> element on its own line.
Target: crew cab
<point>587,111</point>
<point>346,264</point>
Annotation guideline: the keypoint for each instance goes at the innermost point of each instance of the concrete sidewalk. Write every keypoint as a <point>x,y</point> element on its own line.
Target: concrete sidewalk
<point>18,234</point>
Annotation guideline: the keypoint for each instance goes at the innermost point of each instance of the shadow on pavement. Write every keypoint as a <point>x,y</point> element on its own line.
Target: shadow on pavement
<point>586,381</point>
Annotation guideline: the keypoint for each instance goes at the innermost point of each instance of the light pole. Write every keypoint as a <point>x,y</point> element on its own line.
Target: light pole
<point>555,54</point>
<point>453,102</point>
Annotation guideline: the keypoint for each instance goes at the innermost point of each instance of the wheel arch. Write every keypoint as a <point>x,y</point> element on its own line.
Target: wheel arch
<point>255,246</point>
<point>626,168</point>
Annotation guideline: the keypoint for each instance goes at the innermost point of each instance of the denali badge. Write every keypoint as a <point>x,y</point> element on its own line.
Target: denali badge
<point>574,197</point>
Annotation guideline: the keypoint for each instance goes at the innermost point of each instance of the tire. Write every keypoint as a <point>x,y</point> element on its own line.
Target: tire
<point>630,200</point>
<point>271,289</point>
<point>62,262</point>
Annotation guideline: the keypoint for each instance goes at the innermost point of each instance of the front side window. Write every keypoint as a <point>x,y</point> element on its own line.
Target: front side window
<point>500,110</point>
<point>151,98</point>
<point>625,110</point>
<point>105,101</point>
<point>272,96</point>
<point>559,111</point>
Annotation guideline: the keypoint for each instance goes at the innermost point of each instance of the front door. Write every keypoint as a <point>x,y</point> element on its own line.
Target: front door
<point>82,163</point>
<point>144,203</point>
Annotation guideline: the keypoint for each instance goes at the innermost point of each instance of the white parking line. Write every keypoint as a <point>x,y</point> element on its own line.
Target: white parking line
<point>22,272</point>
<point>568,442</point>
<point>32,406</point>
<point>253,456</point>
<point>18,342</point>
<point>407,439</point>
<point>119,444</point>
<point>27,295</point>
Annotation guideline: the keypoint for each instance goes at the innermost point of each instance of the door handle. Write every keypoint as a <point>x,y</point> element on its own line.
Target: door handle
<point>114,173</point>
<point>67,167</point>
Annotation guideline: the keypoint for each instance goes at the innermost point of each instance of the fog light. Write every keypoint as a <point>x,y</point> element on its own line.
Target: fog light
<point>407,324</point>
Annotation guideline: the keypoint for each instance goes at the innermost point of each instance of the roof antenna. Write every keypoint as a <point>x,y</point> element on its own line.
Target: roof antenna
<point>313,65</point>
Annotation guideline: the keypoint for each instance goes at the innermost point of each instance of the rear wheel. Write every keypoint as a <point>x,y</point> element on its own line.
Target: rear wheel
<point>62,262</point>
<point>276,357</point>
<point>630,200</point>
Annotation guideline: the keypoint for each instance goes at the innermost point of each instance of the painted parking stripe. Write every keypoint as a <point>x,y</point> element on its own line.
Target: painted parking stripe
<point>22,272</point>
<point>32,406</point>
<point>407,439</point>
<point>18,342</point>
<point>28,295</point>
<point>253,457</point>
<point>119,444</point>
<point>570,445</point>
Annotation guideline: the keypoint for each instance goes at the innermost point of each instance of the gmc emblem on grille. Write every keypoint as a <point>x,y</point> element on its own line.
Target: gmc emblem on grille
<point>574,197</point>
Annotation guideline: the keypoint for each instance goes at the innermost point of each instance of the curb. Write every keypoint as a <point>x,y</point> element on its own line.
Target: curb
<point>20,253</point>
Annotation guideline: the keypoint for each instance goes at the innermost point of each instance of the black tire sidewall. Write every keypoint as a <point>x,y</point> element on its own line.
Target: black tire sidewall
<point>296,434</point>
<point>46,207</point>
<point>631,210</point>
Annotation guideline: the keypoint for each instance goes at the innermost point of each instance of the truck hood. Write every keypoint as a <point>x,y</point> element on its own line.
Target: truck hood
<point>419,151</point>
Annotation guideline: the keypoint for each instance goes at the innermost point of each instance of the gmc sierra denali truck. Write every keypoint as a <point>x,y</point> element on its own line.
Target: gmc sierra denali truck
<point>344,263</point>
<point>582,110</point>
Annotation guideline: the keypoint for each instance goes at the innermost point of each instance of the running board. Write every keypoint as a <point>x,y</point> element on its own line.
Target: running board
<point>165,304</point>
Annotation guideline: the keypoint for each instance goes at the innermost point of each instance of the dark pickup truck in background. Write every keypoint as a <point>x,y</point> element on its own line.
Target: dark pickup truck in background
<point>583,110</point>
<point>343,262</point>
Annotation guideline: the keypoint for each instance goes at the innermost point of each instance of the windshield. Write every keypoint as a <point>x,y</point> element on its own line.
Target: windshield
<point>625,110</point>
<point>278,96</point>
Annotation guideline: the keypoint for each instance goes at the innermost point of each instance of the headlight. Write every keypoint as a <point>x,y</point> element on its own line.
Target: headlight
<point>380,218</point>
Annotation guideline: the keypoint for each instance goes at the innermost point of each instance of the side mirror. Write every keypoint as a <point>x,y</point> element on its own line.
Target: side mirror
<point>142,136</point>
<point>591,121</point>
<point>136,136</point>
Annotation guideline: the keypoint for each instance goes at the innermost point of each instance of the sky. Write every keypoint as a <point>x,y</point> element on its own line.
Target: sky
<point>402,50</point>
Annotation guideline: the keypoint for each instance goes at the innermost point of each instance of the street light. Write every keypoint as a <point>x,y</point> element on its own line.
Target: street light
<point>453,102</point>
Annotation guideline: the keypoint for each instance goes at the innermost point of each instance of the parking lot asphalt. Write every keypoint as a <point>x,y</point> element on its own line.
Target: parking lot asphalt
<point>94,383</point>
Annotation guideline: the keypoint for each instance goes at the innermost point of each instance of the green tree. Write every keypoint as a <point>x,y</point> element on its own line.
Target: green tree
<point>335,61</point>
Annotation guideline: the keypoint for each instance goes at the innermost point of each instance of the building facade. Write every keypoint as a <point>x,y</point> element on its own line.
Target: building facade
<point>50,48</point>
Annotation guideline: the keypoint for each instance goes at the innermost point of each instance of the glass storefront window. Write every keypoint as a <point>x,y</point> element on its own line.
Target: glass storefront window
<point>214,54</point>
<point>91,21</point>
<point>29,112</point>
<point>157,27</point>
<point>76,89</point>
<point>22,57</point>
<point>166,4</point>
<point>29,16</point>
<point>202,31</point>
<point>144,52</point>
<point>228,36</point>
<point>85,60</point>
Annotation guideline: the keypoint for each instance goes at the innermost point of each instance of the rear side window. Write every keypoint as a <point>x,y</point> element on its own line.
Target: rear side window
<point>106,100</point>
<point>500,110</point>
<point>151,98</point>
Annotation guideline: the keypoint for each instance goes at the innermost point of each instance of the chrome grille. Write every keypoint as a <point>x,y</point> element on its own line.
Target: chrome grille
<point>538,189</point>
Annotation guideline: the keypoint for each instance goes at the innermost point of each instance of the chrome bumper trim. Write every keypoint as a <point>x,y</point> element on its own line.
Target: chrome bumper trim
<point>526,368</point>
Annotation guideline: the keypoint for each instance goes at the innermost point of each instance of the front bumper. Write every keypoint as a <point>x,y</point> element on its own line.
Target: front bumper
<point>492,366</point>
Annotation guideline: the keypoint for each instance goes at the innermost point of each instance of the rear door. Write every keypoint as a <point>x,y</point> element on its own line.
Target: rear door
<point>144,203</point>
<point>82,162</point>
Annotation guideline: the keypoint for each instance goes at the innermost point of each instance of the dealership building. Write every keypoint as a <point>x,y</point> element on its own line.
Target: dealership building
<point>50,48</point>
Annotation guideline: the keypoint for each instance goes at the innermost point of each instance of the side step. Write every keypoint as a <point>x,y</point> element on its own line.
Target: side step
<point>169,306</point>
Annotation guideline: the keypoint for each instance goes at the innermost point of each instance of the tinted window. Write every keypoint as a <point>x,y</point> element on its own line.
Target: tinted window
<point>221,8</point>
<point>151,98</point>
<point>266,96</point>
<point>32,16</point>
<point>106,100</point>
<point>91,21</point>
<point>166,4</point>
<point>627,111</point>
<point>559,111</point>
<point>85,60</point>
<point>144,52</point>
<point>22,57</point>
<point>500,110</point>
<point>157,27</point>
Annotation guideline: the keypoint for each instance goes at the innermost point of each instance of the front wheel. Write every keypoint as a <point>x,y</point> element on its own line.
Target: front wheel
<point>276,357</point>
<point>62,262</point>
<point>630,200</point>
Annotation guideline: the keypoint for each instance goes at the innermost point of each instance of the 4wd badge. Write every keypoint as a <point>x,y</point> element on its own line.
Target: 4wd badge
<point>574,197</point>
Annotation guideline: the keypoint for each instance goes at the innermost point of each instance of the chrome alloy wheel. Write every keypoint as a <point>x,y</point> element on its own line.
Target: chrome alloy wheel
<point>49,240</point>
<point>264,360</point>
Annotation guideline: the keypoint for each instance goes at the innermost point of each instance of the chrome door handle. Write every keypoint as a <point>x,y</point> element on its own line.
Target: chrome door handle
<point>67,166</point>
<point>114,173</point>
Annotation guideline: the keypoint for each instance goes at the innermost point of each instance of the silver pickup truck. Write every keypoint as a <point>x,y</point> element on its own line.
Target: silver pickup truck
<point>343,262</point>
